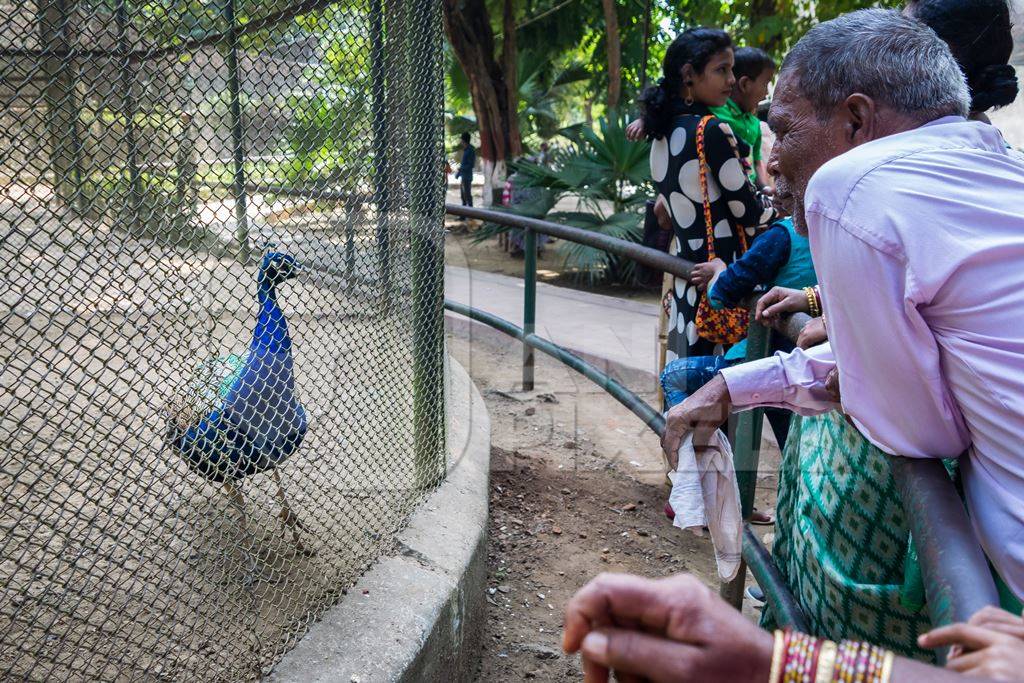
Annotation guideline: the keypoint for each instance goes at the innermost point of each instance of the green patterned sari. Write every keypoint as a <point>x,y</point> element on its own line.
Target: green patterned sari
<point>841,537</point>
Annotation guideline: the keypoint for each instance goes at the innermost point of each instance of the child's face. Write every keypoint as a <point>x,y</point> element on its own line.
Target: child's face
<point>714,85</point>
<point>753,92</point>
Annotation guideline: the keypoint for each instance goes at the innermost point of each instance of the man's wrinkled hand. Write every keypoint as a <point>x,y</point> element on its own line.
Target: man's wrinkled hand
<point>702,413</point>
<point>671,629</point>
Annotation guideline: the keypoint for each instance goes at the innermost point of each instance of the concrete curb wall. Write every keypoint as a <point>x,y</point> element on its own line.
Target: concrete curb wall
<point>422,618</point>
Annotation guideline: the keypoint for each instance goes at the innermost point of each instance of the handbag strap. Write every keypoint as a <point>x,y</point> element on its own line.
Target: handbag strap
<point>703,161</point>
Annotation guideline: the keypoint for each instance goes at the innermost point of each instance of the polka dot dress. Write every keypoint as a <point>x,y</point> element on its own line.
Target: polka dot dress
<point>734,202</point>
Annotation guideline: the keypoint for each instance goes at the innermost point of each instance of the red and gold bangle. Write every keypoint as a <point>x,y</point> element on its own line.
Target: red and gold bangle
<point>846,662</point>
<point>813,304</point>
<point>887,664</point>
<point>800,658</point>
<point>859,662</point>
<point>825,667</point>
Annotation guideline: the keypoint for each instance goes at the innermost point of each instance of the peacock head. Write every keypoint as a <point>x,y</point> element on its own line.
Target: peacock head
<point>277,267</point>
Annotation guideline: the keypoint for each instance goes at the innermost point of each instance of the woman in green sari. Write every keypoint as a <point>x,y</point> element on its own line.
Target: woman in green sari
<point>841,537</point>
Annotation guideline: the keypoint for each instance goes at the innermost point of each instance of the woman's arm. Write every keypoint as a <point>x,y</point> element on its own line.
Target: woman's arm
<point>747,205</point>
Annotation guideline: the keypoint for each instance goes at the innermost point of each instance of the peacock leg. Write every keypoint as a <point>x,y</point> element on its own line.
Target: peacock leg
<point>238,502</point>
<point>289,518</point>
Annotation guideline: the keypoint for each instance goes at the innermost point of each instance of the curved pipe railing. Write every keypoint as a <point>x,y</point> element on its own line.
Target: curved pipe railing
<point>757,557</point>
<point>957,578</point>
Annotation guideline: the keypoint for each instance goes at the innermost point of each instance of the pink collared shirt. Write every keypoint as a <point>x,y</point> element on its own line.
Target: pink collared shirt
<point>918,239</point>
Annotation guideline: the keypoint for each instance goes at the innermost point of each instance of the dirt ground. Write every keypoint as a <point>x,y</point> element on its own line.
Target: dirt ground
<point>576,489</point>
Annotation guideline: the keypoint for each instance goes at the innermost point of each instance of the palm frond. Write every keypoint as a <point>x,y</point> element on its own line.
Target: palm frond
<point>595,265</point>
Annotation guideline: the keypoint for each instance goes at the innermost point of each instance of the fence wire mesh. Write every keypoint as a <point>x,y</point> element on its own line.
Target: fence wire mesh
<point>221,327</point>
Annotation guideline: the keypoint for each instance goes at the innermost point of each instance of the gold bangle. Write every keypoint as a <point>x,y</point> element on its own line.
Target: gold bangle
<point>887,664</point>
<point>777,656</point>
<point>826,662</point>
<point>812,302</point>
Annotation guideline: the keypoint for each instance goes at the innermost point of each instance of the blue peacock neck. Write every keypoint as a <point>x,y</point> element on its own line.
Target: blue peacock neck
<point>271,333</point>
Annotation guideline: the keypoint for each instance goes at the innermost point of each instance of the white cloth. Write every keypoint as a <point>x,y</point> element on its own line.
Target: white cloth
<point>705,494</point>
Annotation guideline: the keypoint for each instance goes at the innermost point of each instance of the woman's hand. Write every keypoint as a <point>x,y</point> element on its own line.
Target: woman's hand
<point>662,630</point>
<point>635,131</point>
<point>703,273</point>
<point>780,301</point>
<point>814,333</point>
<point>992,643</point>
<point>702,413</point>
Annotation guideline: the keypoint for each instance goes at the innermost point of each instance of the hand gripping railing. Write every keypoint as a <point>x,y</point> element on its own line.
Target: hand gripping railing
<point>957,578</point>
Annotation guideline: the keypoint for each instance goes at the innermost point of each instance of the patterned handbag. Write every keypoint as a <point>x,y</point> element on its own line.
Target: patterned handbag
<point>729,325</point>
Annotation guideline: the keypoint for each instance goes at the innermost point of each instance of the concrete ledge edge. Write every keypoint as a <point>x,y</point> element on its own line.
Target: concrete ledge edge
<point>419,614</point>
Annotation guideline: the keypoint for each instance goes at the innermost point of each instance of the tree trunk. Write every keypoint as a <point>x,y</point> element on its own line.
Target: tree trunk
<point>510,67</point>
<point>468,26</point>
<point>614,48</point>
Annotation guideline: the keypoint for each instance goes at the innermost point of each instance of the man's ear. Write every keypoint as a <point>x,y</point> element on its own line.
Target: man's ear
<point>857,114</point>
<point>743,83</point>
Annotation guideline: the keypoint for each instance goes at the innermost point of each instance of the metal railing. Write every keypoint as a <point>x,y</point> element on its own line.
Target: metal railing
<point>957,578</point>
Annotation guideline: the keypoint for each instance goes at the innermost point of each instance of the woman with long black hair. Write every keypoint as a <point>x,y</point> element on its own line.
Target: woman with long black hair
<point>676,116</point>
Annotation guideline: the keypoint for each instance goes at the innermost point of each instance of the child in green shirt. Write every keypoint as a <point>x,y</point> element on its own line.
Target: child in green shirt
<point>753,70</point>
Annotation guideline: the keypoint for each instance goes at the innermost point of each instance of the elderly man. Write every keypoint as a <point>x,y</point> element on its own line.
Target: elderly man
<point>916,222</point>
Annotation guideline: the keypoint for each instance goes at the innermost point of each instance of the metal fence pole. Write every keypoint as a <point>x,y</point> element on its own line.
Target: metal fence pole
<point>351,215</point>
<point>746,455</point>
<point>529,304</point>
<point>128,115</point>
<point>381,167</point>
<point>237,133</point>
<point>61,104</point>
<point>427,245</point>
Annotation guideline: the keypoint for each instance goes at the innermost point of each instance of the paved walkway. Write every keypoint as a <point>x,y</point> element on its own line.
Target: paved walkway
<point>618,330</point>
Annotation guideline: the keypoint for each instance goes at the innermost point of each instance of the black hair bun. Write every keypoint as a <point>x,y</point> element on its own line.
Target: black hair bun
<point>656,103</point>
<point>993,86</point>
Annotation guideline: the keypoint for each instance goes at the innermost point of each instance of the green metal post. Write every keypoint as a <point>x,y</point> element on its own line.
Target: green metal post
<point>529,304</point>
<point>237,133</point>
<point>746,454</point>
<point>426,196</point>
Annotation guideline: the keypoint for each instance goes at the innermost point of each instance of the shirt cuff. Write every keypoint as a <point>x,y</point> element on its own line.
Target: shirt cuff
<point>756,383</point>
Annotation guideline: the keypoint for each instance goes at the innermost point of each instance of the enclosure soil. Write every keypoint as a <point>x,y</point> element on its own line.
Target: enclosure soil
<point>571,497</point>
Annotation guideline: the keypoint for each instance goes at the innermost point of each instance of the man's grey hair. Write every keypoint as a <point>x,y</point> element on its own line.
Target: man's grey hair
<point>895,60</point>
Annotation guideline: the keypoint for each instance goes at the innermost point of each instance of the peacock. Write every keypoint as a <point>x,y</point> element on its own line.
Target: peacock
<point>240,415</point>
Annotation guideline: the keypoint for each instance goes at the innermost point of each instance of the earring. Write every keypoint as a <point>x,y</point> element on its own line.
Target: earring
<point>689,97</point>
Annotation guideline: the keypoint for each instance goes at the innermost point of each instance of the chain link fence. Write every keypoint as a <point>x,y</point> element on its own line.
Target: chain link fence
<point>221,332</point>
